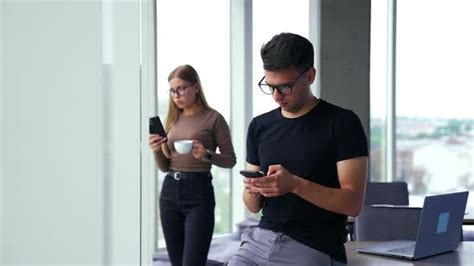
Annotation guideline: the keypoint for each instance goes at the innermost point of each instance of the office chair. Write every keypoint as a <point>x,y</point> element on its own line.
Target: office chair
<point>382,223</point>
<point>467,233</point>
<point>392,193</point>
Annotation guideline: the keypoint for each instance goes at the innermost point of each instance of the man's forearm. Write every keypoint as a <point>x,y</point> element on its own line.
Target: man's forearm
<point>337,200</point>
<point>252,201</point>
<point>348,199</point>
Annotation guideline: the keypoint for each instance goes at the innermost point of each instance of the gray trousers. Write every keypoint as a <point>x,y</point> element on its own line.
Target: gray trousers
<point>264,247</point>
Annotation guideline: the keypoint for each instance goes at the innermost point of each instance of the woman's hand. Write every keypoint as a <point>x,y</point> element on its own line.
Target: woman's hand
<point>199,151</point>
<point>155,141</point>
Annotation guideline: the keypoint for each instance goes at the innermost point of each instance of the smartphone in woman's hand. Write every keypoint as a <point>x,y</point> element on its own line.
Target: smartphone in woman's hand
<point>156,127</point>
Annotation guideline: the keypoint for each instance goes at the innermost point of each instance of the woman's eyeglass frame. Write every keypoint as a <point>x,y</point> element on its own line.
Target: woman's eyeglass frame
<point>180,91</point>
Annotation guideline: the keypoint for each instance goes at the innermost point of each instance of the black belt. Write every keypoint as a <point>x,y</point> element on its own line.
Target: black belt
<point>177,175</point>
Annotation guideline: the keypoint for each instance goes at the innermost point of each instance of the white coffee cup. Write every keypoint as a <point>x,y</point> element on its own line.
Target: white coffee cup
<point>183,146</point>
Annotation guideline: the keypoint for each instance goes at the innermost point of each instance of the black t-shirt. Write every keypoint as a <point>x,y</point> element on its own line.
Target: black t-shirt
<point>309,147</point>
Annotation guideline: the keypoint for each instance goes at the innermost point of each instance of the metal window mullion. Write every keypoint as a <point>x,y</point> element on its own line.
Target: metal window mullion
<point>241,32</point>
<point>391,152</point>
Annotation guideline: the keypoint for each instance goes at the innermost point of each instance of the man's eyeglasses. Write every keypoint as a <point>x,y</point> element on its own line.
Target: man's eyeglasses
<point>285,89</point>
<point>179,90</point>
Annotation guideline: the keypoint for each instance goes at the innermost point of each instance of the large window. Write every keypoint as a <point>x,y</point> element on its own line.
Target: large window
<point>434,123</point>
<point>197,33</point>
<point>378,97</point>
<point>271,17</point>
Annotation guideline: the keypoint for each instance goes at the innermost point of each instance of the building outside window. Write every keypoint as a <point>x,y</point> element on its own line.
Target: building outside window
<point>434,120</point>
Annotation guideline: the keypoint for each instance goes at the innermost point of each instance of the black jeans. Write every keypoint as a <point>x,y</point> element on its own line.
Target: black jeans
<point>187,216</point>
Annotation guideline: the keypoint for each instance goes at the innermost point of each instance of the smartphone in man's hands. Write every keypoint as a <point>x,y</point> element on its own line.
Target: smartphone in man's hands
<point>156,127</point>
<point>251,174</point>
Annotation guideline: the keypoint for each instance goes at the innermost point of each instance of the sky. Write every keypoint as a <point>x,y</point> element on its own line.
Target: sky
<point>434,57</point>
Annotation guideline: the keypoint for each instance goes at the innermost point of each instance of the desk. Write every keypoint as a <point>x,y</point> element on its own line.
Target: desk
<point>463,255</point>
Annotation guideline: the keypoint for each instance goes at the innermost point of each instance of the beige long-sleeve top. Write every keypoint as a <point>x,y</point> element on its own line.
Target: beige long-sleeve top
<point>209,127</point>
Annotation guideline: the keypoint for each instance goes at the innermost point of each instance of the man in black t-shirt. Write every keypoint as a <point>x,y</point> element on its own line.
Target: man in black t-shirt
<point>314,156</point>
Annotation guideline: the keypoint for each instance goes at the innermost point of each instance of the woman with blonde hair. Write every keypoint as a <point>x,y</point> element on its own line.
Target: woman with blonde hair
<point>187,199</point>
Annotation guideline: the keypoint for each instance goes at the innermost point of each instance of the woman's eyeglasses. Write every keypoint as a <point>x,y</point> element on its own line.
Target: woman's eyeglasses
<point>179,90</point>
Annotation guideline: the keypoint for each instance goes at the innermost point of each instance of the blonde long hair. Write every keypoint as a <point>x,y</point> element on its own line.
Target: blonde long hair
<point>189,74</point>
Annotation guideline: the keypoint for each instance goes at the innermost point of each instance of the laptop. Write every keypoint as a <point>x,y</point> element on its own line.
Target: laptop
<point>439,230</point>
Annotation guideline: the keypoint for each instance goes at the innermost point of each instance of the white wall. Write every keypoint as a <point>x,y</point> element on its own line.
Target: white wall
<point>70,133</point>
<point>52,144</point>
<point>149,108</point>
<point>122,59</point>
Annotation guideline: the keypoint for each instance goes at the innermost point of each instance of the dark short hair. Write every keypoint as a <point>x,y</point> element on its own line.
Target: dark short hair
<point>287,50</point>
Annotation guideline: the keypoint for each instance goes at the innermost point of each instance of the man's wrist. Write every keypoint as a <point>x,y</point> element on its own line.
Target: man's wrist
<point>298,185</point>
<point>254,194</point>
